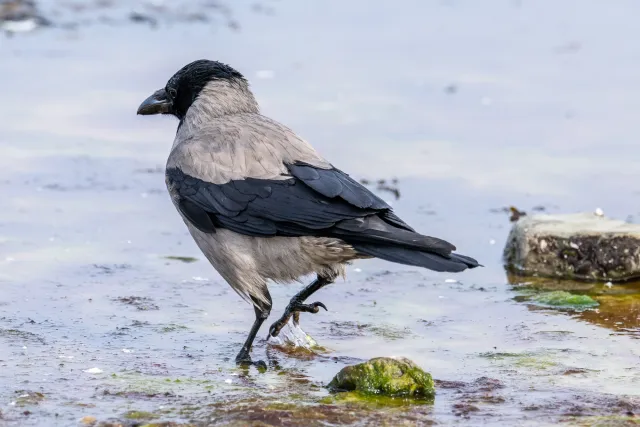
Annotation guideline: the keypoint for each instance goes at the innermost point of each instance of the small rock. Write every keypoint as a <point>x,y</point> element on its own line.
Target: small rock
<point>88,420</point>
<point>463,409</point>
<point>18,16</point>
<point>93,371</point>
<point>26,398</point>
<point>385,376</point>
<point>575,246</point>
<point>515,214</point>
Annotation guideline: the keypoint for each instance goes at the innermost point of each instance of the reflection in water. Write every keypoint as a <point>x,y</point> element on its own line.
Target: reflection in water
<point>619,304</point>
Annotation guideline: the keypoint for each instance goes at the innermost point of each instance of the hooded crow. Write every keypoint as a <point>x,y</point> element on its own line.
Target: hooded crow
<point>262,204</point>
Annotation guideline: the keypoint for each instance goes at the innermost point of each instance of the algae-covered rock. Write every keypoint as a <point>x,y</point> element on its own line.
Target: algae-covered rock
<point>576,246</point>
<point>25,398</point>
<point>385,376</point>
<point>565,299</point>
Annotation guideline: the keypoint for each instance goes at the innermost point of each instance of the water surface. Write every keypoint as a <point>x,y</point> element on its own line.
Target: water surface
<point>472,106</point>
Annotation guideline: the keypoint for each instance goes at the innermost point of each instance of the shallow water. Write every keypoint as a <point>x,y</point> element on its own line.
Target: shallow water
<point>471,107</point>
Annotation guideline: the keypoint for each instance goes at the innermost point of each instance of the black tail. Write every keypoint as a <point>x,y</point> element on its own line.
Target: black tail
<point>389,238</point>
<point>454,263</point>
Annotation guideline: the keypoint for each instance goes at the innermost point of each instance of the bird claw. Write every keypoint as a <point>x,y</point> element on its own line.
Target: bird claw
<point>274,329</point>
<point>311,308</point>
<point>319,304</point>
<point>277,326</point>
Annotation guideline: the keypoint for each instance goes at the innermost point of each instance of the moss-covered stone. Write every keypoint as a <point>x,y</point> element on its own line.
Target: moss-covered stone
<point>385,376</point>
<point>25,398</point>
<point>566,300</point>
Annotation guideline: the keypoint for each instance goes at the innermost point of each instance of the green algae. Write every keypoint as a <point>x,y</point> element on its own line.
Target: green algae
<point>618,305</point>
<point>171,328</point>
<point>522,360</point>
<point>134,383</point>
<point>372,401</point>
<point>497,355</point>
<point>385,376</point>
<point>282,406</point>
<point>26,398</point>
<point>535,362</point>
<point>565,299</point>
<point>140,415</point>
<point>390,332</point>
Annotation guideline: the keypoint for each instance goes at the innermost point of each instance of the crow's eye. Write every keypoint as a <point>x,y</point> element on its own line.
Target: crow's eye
<point>172,93</point>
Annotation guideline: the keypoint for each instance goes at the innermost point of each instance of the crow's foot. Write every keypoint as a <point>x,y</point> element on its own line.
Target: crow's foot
<point>293,309</point>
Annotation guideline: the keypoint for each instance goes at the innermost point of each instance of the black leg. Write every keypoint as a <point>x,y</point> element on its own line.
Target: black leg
<point>296,305</point>
<point>262,311</point>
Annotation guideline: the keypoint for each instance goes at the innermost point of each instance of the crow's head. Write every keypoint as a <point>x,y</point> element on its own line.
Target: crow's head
<point>187,84</point>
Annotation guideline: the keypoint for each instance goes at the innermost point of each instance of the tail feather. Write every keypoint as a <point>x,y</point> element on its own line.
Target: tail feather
<point>374,230</point>
<point>391,239</point>
<point>452,263</point>
<point>471,262</point>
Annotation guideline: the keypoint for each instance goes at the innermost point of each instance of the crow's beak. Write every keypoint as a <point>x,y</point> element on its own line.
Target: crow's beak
<point>158,103</point>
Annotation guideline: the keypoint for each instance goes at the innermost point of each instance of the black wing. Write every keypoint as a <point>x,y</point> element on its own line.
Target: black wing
<point>333,183</point>
<point>311,202</point>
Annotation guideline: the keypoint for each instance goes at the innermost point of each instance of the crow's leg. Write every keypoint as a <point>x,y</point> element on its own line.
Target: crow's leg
<point>262,311</point>
<point>296,305</point>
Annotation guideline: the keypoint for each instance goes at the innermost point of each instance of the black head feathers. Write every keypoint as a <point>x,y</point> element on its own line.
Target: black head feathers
<point>186,84</point>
